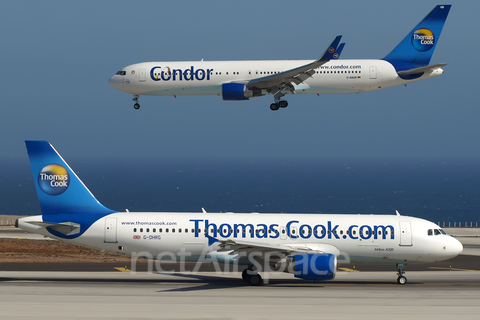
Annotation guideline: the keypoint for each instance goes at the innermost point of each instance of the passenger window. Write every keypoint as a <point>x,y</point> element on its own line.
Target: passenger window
<point>166,230</point>
<point>134,229</point>
<point>160,230</point>
<point>141,229</point>
<point>148,230</point>
<point>154,230</point>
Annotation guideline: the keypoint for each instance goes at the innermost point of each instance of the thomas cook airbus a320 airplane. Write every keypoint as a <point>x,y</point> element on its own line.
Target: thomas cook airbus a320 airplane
<point>306,245</point>
<point>241,80</point>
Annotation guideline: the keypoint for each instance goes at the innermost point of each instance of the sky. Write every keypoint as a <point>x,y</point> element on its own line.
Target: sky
<point>58,56</point>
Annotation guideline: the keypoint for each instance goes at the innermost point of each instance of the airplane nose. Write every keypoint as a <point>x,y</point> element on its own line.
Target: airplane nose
<point>113,82</point>
<point>457,247</point>
<point>453,247</point>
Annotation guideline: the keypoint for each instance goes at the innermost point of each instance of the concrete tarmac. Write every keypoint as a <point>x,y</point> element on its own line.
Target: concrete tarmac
<point>124,295</point>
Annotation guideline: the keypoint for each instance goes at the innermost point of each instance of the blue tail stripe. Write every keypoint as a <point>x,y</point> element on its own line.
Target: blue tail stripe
<point>413,51</point>
<point>59,189</point>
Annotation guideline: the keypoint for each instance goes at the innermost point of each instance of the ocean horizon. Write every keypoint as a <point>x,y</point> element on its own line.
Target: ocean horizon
<point>439,191</point>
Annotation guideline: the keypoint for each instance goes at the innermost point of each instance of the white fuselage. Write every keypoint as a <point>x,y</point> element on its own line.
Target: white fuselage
<point>371,239</point>
<point>207,77</point>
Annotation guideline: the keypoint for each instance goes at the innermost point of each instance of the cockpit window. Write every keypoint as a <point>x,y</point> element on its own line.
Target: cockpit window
<point>121,73</point>
<point>437,232</point>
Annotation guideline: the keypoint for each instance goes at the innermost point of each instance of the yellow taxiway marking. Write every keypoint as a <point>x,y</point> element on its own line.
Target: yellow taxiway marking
<point>453,269</point>
<point>122,269</point>
<point>348,269</point>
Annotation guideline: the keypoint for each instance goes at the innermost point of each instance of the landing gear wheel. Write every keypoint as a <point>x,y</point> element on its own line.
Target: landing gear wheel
<point>401,280</point>
<point>283,104</point>
<point>274,107</point>
<point>245,275</point>
<point>254,280</point>
<point>135,99</point>
<point>252,277</point>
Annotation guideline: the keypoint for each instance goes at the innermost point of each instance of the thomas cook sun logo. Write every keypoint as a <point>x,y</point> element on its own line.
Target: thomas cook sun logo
<point>53,179</point>
<point>423,39</point>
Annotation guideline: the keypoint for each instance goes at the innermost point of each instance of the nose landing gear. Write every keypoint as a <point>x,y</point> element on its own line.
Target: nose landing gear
<point>401,278</point>
<point>135,98</point>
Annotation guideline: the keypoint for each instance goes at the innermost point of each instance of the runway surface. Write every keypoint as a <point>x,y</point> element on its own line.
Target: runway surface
<point>123,295</point>
<point>110,291</point>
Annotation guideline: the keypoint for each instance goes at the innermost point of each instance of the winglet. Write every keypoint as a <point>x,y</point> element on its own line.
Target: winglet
<point>328,54</point>
<point>338,52</point>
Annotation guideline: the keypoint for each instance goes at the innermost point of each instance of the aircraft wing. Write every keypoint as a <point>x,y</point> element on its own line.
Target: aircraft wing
<point>242,247</point>
<point>422,69</point>
<point>282,82</point>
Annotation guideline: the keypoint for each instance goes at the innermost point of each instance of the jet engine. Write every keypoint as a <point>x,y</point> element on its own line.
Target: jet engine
<point>239,91</point>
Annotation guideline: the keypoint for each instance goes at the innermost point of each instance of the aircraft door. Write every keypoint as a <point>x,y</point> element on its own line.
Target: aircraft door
<point>373,72</point>
<point>405,233</point>
<point>142,76</point>
<point>110,230</point>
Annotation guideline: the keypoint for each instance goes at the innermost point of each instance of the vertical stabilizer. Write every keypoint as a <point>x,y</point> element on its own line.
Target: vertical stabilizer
<point>417,47</point>
<point>59,189</point>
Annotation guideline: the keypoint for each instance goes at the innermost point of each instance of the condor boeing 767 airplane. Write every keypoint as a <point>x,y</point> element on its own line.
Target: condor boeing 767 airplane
<point>241,80</point>
<point>307,245</point>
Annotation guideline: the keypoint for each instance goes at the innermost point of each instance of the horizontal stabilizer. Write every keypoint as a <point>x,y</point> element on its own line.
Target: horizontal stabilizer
<point>67,228</point>
<point>422,69</point>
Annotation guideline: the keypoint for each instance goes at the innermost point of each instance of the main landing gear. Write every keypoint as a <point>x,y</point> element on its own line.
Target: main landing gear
<point>401,278</point>
<point>252,277</point>
<point>135,98</point>
<point>278,104</point>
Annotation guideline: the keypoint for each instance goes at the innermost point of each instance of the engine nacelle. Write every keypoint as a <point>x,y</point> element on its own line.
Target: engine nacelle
<point>320,267</point>
<point>238,91</point>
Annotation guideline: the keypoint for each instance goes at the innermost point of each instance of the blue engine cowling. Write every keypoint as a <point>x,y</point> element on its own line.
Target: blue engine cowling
<point>233,91</point>
<point>320,267</point>
<point>239,91</point>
